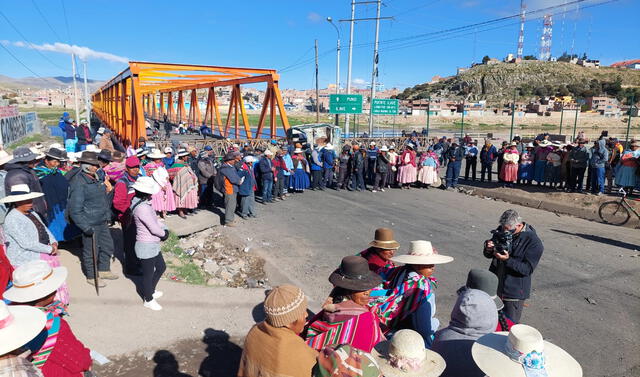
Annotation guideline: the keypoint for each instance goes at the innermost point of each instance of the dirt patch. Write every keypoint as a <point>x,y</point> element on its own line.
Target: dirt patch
<point>215,354</point>
<point>211,258</point>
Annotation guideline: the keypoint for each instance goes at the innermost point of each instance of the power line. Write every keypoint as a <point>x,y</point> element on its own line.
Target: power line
<point>20,61</point>
<point>66,20</point>
<point>26,40</point>
<point>45,20</point>
<point>297,60</point>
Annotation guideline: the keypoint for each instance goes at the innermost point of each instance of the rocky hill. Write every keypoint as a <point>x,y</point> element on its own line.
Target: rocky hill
<point>58,82</point>
<point>497,83</point>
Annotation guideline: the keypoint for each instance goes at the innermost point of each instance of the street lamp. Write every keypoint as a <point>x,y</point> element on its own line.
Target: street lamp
<point>330,20</point>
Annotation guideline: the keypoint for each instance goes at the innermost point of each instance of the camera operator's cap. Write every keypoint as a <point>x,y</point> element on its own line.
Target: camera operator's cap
<point>487,282</point>
<point>422,252</point>
<point>168,150</point>
<point>522,352</point>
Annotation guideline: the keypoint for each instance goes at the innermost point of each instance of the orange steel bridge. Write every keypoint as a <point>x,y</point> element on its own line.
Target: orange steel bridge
<point>153,90</point>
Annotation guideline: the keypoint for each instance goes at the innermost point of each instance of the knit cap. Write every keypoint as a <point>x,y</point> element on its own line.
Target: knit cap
<point>284,305</point>
<point>132,162</point>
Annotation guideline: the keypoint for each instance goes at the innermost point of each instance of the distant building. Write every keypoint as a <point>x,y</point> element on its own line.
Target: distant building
<point>461,70</point>
<point>493,61</point>
<point>606,106</point>
<point>589,63</point>
<point>631,64</point>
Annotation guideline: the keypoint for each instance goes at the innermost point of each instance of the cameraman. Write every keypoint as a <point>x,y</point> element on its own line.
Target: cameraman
<point>514,266</point>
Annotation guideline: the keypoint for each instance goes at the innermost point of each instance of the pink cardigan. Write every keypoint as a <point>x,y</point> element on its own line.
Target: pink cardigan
<point>148,227</point>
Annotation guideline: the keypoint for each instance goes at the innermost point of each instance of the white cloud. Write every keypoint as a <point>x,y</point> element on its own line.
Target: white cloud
<point>358,82</point>
<point>83,53</point>
<point>314,17</point>
<point>470,4</point>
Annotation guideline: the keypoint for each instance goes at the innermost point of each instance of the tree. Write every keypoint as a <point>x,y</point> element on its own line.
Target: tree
<point>530,57</point>
<point>485,59</point>
<point>563,91</point>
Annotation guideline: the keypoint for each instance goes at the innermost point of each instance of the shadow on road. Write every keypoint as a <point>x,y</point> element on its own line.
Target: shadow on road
<point>223,356</point>
<point>167,365</point>
<point>604,240</point>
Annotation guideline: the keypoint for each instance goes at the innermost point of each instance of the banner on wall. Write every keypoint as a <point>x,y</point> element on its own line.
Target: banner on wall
<point>14,128</point>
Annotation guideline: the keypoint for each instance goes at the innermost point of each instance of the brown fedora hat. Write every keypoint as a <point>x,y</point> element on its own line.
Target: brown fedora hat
<point>383,239</point>
<point>354,274</point>
<point>90,158</point>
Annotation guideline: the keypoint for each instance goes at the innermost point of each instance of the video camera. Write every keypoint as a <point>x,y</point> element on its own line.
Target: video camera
<point>502,240</point>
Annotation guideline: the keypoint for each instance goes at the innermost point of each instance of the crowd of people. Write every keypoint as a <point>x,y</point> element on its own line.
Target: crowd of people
<point>379,319</point>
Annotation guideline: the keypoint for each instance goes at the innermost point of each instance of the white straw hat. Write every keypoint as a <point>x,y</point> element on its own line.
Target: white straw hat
<point>405,355</point>
<point>146,185</point>
<point>38,152</point>
<point>34,280</point>
<point>503,354</point>
<point>91,148</point>
<point>168,150</point>
<point>384,149</point>
<point>101,130</point>
<point>5,157</point>
<point>155,153</point>
<point>18,325</point>
<point>422,252</point>
<point>19,193</point>
<point>298,150</point>
<point>268,153</point>
<point>182,152</point>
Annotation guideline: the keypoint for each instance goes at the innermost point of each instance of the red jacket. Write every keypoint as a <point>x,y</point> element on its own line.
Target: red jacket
<point>122,197</point>
<point>6,270</point>
<point>374,260</point>
<point>69,357</point>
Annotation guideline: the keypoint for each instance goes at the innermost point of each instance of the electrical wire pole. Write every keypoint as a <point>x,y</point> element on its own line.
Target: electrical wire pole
<point>352,21</point>
<point>330,20</point>
<point>317,88</point>
<point>75,86</point>
<point>374,73</point>
<point>87,104</point>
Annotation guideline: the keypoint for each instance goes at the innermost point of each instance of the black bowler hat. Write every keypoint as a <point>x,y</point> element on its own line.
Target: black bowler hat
<point>354,275</point>
<point>105,155</point>
<point>55,153</point>
<point>487,282</point>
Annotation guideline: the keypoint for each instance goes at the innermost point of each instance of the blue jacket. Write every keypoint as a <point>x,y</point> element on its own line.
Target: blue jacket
<point>246,188</point>
<point>488,156</point>
<point>69,131</point>
<point>316,159</point>
<point>372,154</point>
<point>328,156</point>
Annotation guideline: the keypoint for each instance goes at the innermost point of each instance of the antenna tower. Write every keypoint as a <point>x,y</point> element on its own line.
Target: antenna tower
<point>521,35</point>
<point>545,41</point>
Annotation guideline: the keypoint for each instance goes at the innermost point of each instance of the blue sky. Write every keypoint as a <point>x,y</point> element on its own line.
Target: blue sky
<point>280,34</point>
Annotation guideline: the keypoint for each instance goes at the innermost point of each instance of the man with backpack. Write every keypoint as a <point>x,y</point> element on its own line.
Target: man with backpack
<point>123,194</point>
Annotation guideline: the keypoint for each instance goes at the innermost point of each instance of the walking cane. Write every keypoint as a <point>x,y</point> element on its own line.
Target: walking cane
<point>94,252</point>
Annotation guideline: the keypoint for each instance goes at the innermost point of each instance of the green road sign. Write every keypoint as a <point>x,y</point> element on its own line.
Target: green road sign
<point>385,106</point>
<point>345,104</point>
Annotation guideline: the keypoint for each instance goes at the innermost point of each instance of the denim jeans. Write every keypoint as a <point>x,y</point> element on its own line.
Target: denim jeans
<point>597,180</point>
<point>357,180</point>
<point>453,172</point>
<point>267,190</point>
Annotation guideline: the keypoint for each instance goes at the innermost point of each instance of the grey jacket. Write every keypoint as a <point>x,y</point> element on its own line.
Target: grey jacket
<point>600,155</point>
<point>579,157</point>
<point>206,170</point>
<point>474,315</point>
<point>22,238</point>
<point>88,205</point>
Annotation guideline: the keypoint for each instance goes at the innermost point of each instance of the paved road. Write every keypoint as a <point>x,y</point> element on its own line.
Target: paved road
<point>581,259</point>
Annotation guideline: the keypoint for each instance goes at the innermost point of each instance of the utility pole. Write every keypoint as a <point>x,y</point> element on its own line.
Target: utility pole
<point>428,111</point>
<point>352,21</point>
<point>464,100</point>
<point>561,116</point>
<point>317,88</point>
<point>631,103</point>
<point>513,115</point>
<point>575,122</point>
<point>330,20</point>
<point>75,86</point>
<point>374,72</point>
<point>86,92</point>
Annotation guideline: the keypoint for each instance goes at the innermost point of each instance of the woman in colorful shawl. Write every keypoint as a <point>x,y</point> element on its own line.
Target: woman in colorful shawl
<point>56,350</point>
<point>429,164</point>
<point>163,201</point>
<point>347,319</point>
<point>525,170</point>
<point>509,171</point>
<point>408,171</point>
<point>185,184</point>
<point>627,174</point>
<point>115,169</point>
<point>541,161</point>
<point>55,188</point>
<point>300,180</point>
<point>407,299</point>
